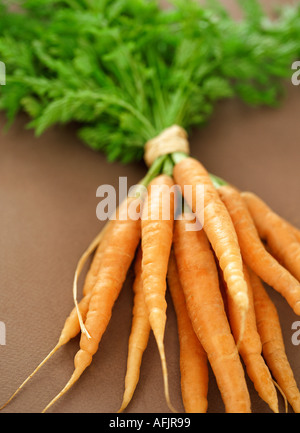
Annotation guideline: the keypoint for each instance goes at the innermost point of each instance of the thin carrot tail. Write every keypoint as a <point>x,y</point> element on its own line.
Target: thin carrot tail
<point>127,397</point>
<point>75,376</point>
<point>68,332</point>
<point>283,395</point>
<point>131,386</point>
<point>126,400</point>
<point>81,262</point>
<point>82,361</point>
<point>139,335</point>
<point>165,375</point>
<point>262,380</point>
<point>159,337</point>
<point>54,350</point>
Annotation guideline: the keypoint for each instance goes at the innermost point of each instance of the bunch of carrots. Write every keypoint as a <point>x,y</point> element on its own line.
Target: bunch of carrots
<point>215,276</point>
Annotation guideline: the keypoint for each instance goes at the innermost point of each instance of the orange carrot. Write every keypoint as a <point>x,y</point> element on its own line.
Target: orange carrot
<point>91,276</point>
<point>199,279</point>
<point>139,335</point>
<point>193,358</point>
<point>120,213</point>
<point>254,252</point>
<point>281,241</point>
<point>269,328</point>
<point>294,230</point>
<point>116,260</point>
<point>157,233</point>
<point>251,350</point>
<point>217,226</point>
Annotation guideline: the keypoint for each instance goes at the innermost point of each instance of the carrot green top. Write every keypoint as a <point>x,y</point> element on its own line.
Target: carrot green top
<point>125,70</point>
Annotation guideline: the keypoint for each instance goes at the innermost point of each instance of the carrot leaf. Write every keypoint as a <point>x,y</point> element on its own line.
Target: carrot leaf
<point>123,71</point>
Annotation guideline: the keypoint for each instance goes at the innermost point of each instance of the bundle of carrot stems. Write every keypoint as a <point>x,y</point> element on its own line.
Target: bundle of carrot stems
<point>212,246</point>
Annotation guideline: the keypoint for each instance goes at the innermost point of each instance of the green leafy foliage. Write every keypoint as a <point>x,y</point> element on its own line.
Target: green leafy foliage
<point>124,70</point>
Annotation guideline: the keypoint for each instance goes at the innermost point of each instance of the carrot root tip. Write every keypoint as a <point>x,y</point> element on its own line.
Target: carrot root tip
<point>283,395</point>
<point>51,353</point>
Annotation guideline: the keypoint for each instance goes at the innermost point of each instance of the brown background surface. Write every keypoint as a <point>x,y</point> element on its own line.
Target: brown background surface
<point>47,219</point>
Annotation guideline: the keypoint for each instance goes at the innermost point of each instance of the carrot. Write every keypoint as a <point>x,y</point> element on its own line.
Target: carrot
<point>92,273</point>
<point>78,315</point>
<point>254,252</point>
<point>193,358</point>
<point>200,282</point>
<point>120,213</point>
<point>139,335</point>
<point>117,257</point>
<point>281,241</point>
<point>294,230</point>
<point>268,325</point>
<point>157,233</point>
<point>217,226</point>
<point>71,326</point>
<point>251,350</point>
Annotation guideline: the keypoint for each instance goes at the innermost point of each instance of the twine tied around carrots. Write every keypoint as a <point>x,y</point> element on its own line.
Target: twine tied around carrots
<point>170,140</point>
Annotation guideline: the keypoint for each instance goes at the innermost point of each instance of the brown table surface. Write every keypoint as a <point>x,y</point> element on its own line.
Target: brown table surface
<point>48,217</point>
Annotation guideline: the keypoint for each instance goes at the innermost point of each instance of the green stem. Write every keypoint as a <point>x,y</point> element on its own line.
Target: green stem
<point>178,156</point>
<point>217,181</point>
<point>168,166</point>
<point>154,170</point>
<point>165,164</point>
